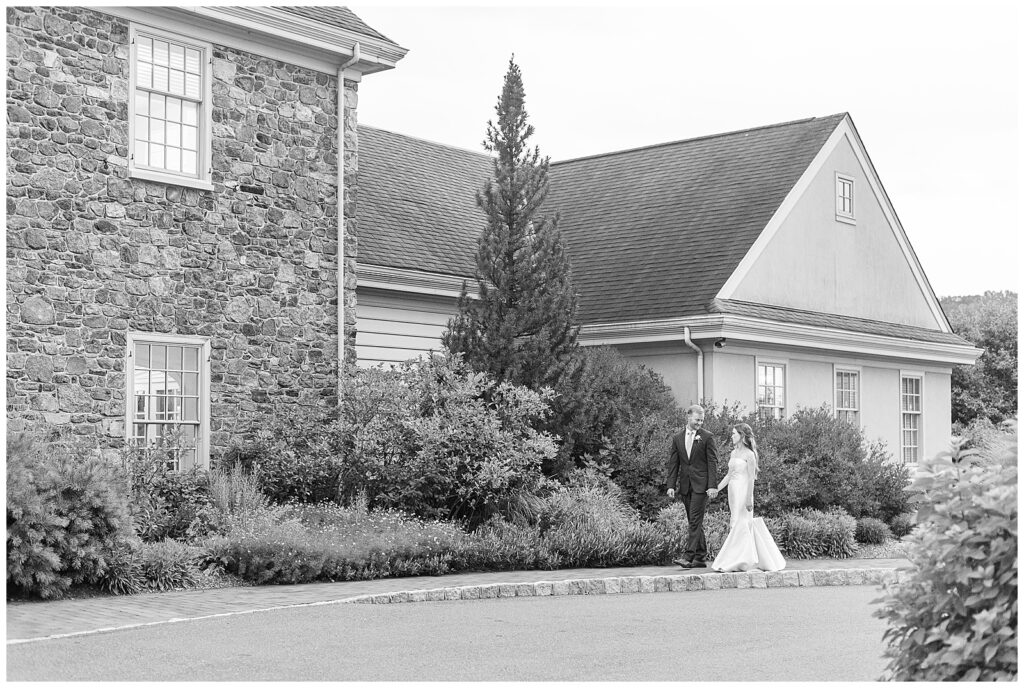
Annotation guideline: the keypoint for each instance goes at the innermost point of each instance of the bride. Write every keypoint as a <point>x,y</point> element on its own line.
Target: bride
<point>749,545</point>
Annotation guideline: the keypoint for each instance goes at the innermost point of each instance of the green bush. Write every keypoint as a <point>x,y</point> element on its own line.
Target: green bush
<point>294,454</point>
<point>872,531</point>
<point>812,460</point>
<point>809,534</point>
<point>169,565</point>
<point>167,504</point>
<point>598,397</point>
<point>439,441</point>
<point>586,523</point>
<point>123,575</point>
<point>955,617</point>
<point>902,525</point>
<point>67,510</point>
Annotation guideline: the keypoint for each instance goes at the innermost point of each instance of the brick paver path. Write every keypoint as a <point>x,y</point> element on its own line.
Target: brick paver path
<point>29,620</point>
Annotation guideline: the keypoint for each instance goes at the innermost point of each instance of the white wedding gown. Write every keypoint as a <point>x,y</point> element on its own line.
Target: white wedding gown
<point>748,545</point>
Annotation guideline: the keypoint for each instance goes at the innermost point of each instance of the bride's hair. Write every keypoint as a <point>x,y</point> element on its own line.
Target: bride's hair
<point>747,438</point>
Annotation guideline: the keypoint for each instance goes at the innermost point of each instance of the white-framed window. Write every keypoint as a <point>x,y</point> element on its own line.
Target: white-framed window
<point>844,198</point>
<point>771,389</point>
<point>847,395</point>
<point>911,416</point>
<point>169,105</point>
<point>169,396</point>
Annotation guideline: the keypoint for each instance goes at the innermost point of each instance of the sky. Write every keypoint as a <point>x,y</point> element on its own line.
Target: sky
<point>933,89</point>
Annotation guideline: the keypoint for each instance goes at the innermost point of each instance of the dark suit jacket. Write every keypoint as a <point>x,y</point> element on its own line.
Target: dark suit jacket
<point>698,471</point>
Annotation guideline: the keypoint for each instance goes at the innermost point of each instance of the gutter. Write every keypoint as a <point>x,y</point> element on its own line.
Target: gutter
<point>700,364</point>
<point>356,55</point>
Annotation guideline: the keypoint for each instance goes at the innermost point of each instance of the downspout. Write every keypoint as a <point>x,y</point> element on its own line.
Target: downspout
<point>700,363</point>
<point>356,55</point>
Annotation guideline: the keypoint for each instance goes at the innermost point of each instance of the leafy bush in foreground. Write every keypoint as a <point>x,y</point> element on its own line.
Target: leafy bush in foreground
<point>955,618</point>
<point>67,510</point>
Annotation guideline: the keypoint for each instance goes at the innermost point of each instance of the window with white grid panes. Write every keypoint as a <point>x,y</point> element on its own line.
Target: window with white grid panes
<point>910,418</point>
<point>844,197</point>
<point>848,396</point>
<point>167,399</point>
<point>771,390</point>
<point>168,79</point>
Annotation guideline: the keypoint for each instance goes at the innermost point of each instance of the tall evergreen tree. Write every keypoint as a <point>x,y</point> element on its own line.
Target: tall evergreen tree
<point>522,328</point>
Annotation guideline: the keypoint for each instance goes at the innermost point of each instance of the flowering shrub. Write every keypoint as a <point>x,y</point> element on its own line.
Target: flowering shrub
<point>440,441</point>
<point>955,618</point>
<point>67,510</point>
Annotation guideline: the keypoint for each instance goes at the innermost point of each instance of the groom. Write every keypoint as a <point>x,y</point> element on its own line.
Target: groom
<point>692,470</point>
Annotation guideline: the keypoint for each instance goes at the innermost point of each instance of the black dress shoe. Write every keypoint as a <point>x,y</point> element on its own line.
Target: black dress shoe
<point>685,563</point>
<point>698,564</point>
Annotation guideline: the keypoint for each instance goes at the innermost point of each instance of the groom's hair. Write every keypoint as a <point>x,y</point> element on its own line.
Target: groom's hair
<point>696,408</point>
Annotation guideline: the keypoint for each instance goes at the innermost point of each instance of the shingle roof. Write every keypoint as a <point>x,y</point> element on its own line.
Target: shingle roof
<point>655,232</point>
<point>341,17</point>
<point>836,322</point>
<point>652,232</point>
<point>416,203</point>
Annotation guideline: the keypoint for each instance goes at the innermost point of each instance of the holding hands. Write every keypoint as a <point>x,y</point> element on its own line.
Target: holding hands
<point>713,492</point>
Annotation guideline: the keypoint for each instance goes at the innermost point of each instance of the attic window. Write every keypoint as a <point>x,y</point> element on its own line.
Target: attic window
<point>844,198</point>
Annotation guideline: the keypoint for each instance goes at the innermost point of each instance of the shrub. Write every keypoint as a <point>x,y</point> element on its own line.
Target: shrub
<point>444,442</point>
<point>955,617</point>
<point>123,575</point>
<point>815,461</point>
<point>67,510</point>
<point>872,531</point>
<point>808,534</point>
<point>902,525</point>
<point>600,394</point>
<point>167,504</point>
<point>294,454</point>
<point>169,565</point>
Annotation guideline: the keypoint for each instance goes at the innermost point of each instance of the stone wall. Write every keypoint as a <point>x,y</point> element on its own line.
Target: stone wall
<point>92,254</point>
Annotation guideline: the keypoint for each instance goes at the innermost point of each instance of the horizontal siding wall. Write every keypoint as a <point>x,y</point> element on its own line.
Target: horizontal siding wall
<point>393,326</point>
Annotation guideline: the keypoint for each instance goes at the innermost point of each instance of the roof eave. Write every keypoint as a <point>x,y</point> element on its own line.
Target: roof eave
<point>777,333</point>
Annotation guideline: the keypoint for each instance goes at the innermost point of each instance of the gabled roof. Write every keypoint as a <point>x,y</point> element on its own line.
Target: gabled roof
<point>652,232</point>
<point>337,16</point>
<point>416,203</point>
<point>655,232</point>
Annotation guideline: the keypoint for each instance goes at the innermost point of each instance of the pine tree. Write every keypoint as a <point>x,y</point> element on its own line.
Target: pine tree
<point>522,328</point>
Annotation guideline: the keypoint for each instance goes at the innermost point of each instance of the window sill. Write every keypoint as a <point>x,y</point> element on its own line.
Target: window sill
<point>152,176</point>
<point>846,220</point>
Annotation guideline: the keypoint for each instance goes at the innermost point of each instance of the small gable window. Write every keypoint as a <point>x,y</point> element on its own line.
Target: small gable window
<point>844,198</point>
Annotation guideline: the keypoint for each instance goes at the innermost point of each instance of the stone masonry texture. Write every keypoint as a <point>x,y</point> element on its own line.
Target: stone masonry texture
<point>93,254</point>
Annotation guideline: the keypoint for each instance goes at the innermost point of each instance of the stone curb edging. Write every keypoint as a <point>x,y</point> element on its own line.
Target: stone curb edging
<point>620,585</point>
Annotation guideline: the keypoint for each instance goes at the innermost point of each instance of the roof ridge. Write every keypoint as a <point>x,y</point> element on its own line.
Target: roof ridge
<point>699,138</point>
<point>430,141</point>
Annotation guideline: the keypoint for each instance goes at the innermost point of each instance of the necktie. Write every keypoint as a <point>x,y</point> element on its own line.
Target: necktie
<point>689,442</point>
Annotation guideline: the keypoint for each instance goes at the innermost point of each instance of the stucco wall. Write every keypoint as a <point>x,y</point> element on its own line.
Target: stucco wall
<point>93,254</point>
<point>817,263</point>
<point>731,378</point>
<point>676,363</point>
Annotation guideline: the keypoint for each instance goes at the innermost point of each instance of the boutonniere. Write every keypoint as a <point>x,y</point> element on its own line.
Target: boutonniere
<point>696,438</point>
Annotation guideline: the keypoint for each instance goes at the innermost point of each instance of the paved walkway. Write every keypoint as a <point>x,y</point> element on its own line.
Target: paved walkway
<point>29,621</point>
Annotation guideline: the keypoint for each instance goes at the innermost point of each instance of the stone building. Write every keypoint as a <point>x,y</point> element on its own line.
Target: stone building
<point>172,215</point>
